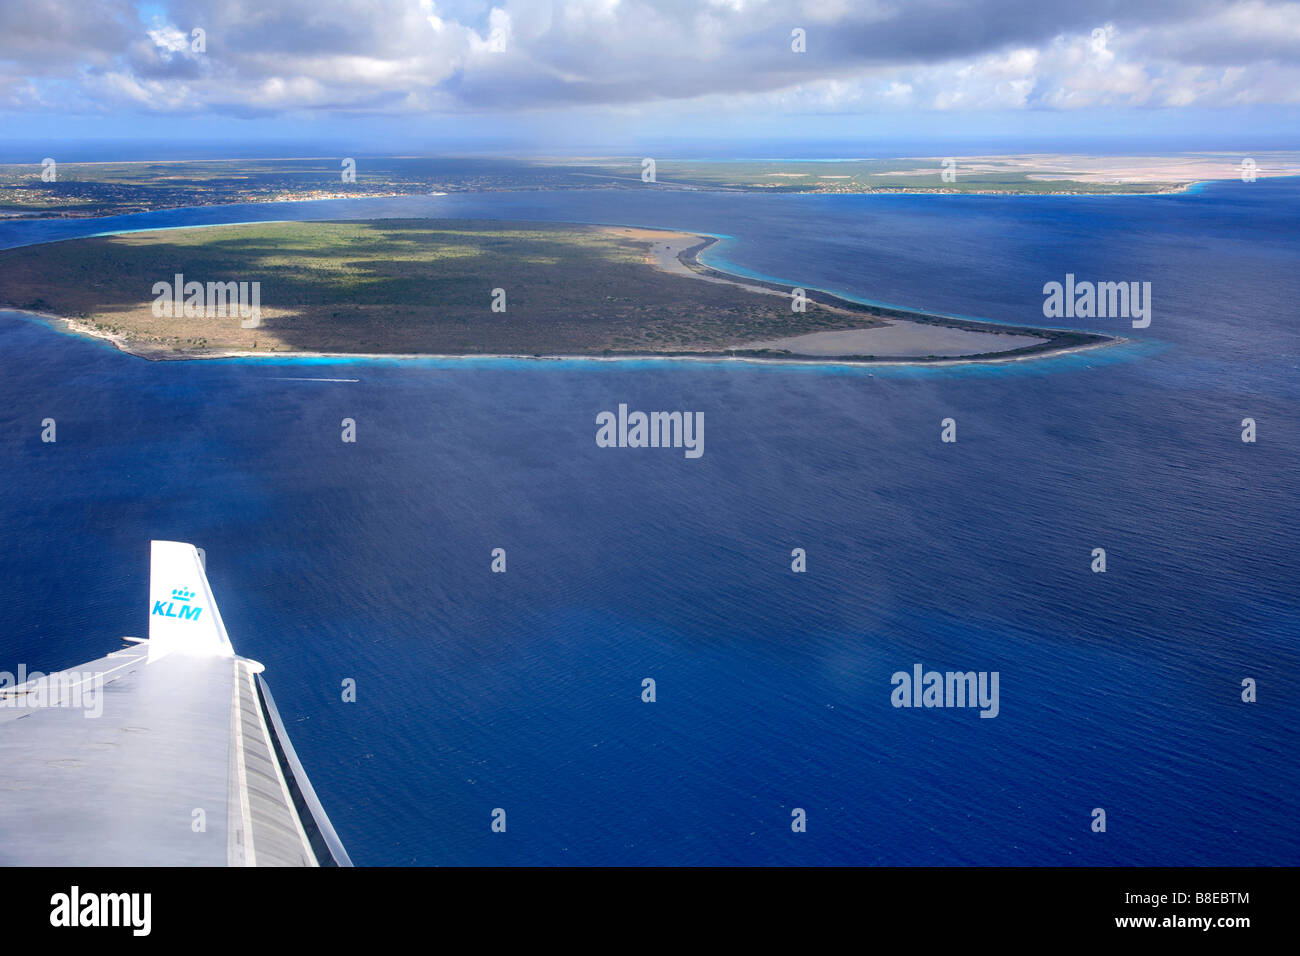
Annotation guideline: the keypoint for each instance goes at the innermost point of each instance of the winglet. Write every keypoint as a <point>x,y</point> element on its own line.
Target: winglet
<point>183,616</point>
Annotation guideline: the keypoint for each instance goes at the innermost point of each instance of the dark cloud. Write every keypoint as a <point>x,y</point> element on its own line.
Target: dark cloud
<point>275,55</point>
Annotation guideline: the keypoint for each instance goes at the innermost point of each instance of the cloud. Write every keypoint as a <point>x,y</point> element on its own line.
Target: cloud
<point>267,57</point>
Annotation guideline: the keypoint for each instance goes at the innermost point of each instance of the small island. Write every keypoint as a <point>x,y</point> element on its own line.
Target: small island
<point>425,287</point>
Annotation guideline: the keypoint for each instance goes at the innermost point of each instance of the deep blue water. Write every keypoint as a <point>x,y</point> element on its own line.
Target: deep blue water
<point>522,691</point>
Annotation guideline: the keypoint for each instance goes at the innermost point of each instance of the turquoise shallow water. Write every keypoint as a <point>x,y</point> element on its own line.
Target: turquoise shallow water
<point>522,690</point>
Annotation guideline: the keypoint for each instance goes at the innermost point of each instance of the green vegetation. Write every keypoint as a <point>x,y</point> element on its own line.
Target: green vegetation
<point>100,189</point>
<point>861,176</point>
<point>406,286</point>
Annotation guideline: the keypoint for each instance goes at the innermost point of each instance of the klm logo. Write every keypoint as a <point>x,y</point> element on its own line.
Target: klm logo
<point>181,598</point>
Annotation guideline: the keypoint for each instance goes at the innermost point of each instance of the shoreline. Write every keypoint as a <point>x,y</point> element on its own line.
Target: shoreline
<point>1051,341</point>
<point>67,326</point>
<point>1163,189</point>
<point>1047,342</point>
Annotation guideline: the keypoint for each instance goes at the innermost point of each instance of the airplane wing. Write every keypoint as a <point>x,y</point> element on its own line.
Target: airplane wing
<point>169,752</point>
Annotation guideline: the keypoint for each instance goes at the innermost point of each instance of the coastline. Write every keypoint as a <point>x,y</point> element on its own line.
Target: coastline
<point>1163,190</point>
<point>681,257</point>
<point>1160,189</point>
<point>68,326</point>
<point>71,326</point>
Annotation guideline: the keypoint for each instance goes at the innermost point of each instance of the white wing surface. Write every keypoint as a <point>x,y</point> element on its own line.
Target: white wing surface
<point>169,752</point>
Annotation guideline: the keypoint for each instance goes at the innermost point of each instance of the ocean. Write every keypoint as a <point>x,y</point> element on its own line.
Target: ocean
<point>523,691</point>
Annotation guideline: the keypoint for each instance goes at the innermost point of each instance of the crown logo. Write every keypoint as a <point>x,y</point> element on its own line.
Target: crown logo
<point>182,594</point>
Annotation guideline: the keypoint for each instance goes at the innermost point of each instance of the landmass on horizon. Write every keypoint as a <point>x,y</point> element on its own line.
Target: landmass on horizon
<point>91,189</point>
<point>422,287</point>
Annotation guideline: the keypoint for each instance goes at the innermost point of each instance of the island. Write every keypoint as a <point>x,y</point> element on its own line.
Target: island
<point>451,287</point>
<point>93,189</point>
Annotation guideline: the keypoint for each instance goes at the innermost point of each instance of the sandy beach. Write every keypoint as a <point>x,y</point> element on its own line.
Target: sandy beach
<point>872,335</point>
<point>890,339</point>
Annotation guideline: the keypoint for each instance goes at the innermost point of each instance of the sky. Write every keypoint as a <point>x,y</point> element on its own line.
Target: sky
<point>699,77</point>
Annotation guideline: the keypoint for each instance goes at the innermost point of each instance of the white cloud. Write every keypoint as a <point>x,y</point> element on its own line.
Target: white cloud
<point>170,39</point>
<point>271,56</point>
